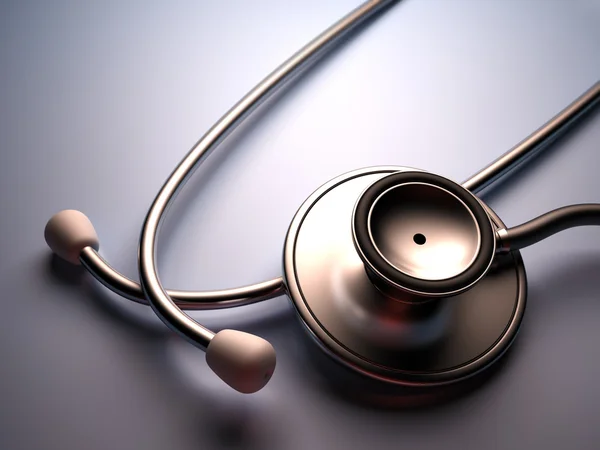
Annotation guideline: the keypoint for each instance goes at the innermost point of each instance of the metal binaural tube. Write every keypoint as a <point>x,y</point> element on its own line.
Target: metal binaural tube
<point>546,225</point>
<point>189,300</point>
<point>162,304</point>
<point>535,142</point>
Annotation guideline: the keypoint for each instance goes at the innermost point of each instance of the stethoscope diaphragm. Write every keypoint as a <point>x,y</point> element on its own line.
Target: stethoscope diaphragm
<point>422,236</point>
<point>394,336</point>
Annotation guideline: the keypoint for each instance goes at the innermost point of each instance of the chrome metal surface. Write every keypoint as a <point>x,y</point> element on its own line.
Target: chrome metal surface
<point>434,343</point>
<point>159,299</point>
<point>190,300</point>
<point>424,231</point>
<point>396,210</point>
<point>535,142</point>
<point>502,245</point>
<point>548,224</point>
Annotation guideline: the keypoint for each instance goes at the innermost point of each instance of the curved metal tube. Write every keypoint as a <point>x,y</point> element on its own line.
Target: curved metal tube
<point>217,299</point>
<point>161,302</point>
<point>546,225</point>
<point>537,141</point>
<point>189,300</point>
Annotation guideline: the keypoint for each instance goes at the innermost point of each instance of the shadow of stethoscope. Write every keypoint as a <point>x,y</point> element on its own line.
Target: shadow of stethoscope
<point>242,418</point>
<point>560,287</point>
<point>215,411</point>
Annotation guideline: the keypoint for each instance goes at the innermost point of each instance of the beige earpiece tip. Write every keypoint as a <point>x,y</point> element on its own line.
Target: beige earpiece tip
<point>68,232</point>
<point>243,361</point>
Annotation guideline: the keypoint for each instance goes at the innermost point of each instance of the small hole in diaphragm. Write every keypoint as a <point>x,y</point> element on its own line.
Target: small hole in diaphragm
<point>419,239</point>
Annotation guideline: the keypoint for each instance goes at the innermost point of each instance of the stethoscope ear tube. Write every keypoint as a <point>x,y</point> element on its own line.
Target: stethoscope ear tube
<point>162,304</point>
<point>70,234</point>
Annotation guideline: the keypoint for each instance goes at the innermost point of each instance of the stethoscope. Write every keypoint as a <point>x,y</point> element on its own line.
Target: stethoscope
<point>402,275</point>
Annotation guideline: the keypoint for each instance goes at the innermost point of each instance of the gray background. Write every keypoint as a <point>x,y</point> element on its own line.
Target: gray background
<point>100,100</point>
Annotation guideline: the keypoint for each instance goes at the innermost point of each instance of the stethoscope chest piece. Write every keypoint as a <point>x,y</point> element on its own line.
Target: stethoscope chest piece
<point>400,274</point>
<point>394,272</point>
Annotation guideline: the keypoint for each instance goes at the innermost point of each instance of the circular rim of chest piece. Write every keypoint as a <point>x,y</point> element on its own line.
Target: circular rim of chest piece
<point>332,300</point>
<point>388,273</point>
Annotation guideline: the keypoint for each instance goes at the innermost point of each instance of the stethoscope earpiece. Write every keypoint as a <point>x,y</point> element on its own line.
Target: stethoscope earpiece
<point>244,361</point>
<point>68,232</point>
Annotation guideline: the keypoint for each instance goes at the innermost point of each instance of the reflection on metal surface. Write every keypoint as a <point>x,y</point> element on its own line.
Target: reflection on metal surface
<point>424,231</point>
<point>374,317</point>
<point>407,344</point>
<point>388,224</point>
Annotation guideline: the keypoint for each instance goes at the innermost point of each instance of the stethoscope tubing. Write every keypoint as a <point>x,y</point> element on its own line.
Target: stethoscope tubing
<point>162,304</point>
<point>244,295</point>
<point>537,141</point>
<point>189,300</point>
